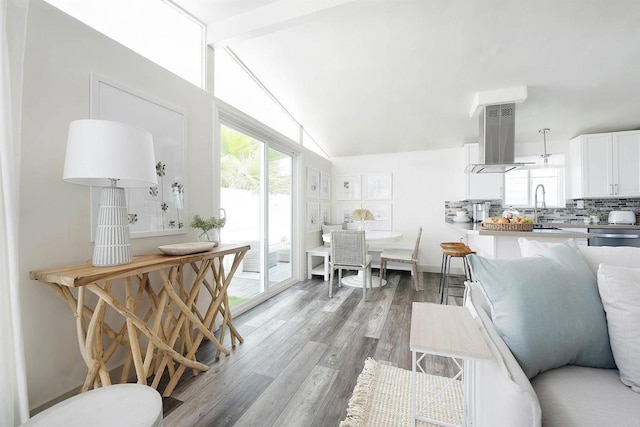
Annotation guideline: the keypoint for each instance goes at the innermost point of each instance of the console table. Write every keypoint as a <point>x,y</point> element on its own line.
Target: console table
<point>160,328</point>
<point>448,331</point>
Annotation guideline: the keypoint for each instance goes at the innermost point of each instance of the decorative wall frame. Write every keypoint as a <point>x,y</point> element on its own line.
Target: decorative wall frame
<point>378,186</point>
<point>325,186</point>
<point>325,216</point>
<point>313,183</point>
<point>313,217</point>
<point>382,213</point>
<point>159,210</point>
<point>348,187</point>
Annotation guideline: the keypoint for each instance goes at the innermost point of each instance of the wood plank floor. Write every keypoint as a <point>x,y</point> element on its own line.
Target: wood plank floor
<point>302,355</point>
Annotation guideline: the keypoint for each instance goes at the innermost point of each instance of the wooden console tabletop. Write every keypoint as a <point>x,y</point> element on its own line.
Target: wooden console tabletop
<point>171,325</point>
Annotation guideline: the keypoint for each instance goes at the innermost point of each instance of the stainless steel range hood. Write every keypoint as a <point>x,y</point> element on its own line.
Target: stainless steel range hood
<point>497,140</point>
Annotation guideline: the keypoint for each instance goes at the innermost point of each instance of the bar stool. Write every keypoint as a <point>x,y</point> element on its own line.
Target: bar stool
<point>452,250</point>
<point>443,246</point>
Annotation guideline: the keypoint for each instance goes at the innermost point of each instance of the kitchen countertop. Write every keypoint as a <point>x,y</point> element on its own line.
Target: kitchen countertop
<point>475,228</point>
<point>598,225</point>
<point>561,232</point>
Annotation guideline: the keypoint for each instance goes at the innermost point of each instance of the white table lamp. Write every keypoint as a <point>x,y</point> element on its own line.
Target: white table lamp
<point>111,155</point>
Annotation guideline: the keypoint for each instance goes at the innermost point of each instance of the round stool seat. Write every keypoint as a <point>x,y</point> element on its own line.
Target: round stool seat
<point>122,405</point>
<point>460,251</point>
<point>447,245</point>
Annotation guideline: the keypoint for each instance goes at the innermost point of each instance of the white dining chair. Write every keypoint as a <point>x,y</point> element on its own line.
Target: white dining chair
<point>349,252</point>
<point>402,255</point>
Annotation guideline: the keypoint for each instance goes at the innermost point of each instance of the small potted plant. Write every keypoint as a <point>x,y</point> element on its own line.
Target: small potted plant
<point>210,228</point>
<point>594,216</point>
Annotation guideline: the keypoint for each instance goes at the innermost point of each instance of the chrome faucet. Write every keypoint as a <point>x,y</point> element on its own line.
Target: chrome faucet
<point>535,203</point>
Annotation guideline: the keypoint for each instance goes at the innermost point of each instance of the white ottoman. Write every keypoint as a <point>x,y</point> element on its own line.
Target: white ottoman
<point>122,405</point>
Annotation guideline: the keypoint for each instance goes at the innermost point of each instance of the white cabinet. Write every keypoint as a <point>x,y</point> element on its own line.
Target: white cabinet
<point>481,186</point>
<point>626,164</point>
<point>605,165</point>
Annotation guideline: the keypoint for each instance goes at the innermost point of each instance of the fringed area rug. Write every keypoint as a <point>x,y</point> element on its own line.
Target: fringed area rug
<point>382,398</point>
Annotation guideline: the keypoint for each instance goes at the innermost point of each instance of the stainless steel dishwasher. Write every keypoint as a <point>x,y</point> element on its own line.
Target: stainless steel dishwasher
<point>614,237</point>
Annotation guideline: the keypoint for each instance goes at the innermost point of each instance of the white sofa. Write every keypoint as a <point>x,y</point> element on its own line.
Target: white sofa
<point>565,396</point>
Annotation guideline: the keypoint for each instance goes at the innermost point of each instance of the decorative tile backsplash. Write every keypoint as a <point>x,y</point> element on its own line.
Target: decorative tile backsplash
<point>450,208</point>
<point>568,214</point>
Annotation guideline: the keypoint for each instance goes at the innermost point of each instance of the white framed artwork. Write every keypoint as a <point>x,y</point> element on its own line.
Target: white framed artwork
<point>378,186</point>
<point>325,186</point>
<point>348,187</point>
<point>313,183</point>
<point>382,214</point>
<point>313,217</point>
<point>153,211</point>
<point>344,212</point>
<point>325,217</point>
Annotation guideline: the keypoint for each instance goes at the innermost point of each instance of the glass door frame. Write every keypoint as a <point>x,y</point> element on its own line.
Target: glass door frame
<point>227,115</point>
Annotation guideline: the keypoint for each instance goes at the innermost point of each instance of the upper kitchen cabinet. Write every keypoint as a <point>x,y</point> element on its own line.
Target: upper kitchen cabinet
<point>481,186</point>
<point>605,165</point>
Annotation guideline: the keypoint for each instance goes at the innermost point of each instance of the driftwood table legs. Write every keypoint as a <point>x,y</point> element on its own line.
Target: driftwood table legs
<point>157,322</point>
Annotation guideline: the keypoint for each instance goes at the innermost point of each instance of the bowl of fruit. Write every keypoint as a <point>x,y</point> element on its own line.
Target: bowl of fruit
<point>508,222</point>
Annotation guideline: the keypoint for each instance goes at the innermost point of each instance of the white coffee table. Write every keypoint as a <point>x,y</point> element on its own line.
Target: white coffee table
<point>449,331</point>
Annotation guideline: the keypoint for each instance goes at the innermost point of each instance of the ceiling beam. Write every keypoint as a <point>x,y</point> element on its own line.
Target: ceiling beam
<point>266,19</point>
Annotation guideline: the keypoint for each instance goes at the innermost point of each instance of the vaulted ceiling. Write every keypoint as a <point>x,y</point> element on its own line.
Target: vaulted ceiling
<point>379,76</point>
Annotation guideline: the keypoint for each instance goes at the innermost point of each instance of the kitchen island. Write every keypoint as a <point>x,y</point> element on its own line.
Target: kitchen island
<point>504,244</point>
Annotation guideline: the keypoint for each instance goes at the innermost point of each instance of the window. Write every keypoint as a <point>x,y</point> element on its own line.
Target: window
<point>236,87</point>
<point>520,184</point>
<point>155,29</point>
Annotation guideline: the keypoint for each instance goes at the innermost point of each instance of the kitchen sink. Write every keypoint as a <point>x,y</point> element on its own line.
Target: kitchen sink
<point>543,226</point>
<point>546,228</point>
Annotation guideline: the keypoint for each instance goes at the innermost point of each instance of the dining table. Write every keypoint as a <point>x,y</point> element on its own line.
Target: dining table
<point>371,237</point>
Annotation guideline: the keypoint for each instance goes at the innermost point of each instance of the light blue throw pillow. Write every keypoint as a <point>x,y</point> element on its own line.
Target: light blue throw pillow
<point>547,309</point>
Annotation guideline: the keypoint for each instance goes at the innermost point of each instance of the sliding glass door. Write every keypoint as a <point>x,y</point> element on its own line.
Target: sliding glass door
<point>256,193</point>
<point>279,201</point>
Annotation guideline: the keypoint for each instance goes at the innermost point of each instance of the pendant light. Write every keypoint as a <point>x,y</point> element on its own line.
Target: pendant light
<point>545,156</point>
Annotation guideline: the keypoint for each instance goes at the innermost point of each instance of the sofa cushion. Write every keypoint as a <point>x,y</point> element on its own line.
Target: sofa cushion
<point>579,396</point>
<point>532,247</point>
<point>547,309</point>
<point>622,256</point>
<point>620,292</point>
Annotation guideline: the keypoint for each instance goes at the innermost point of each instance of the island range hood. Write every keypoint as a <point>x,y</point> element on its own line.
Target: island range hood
<point>497,140</point>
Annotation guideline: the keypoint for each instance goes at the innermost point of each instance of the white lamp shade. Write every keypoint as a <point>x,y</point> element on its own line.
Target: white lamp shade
<point>100,150</point>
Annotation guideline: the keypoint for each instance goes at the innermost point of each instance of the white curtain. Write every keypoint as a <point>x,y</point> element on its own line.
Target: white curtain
<point>14,402</point>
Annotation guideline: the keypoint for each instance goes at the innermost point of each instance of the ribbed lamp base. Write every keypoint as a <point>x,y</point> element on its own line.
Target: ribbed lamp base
<point>112,246</point>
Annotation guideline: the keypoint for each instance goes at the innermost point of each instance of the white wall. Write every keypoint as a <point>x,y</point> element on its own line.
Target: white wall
<point>61,53</point>
<point>422,182</point>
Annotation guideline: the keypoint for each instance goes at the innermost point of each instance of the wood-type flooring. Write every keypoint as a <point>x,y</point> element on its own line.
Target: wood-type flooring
<point>302,354</point>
